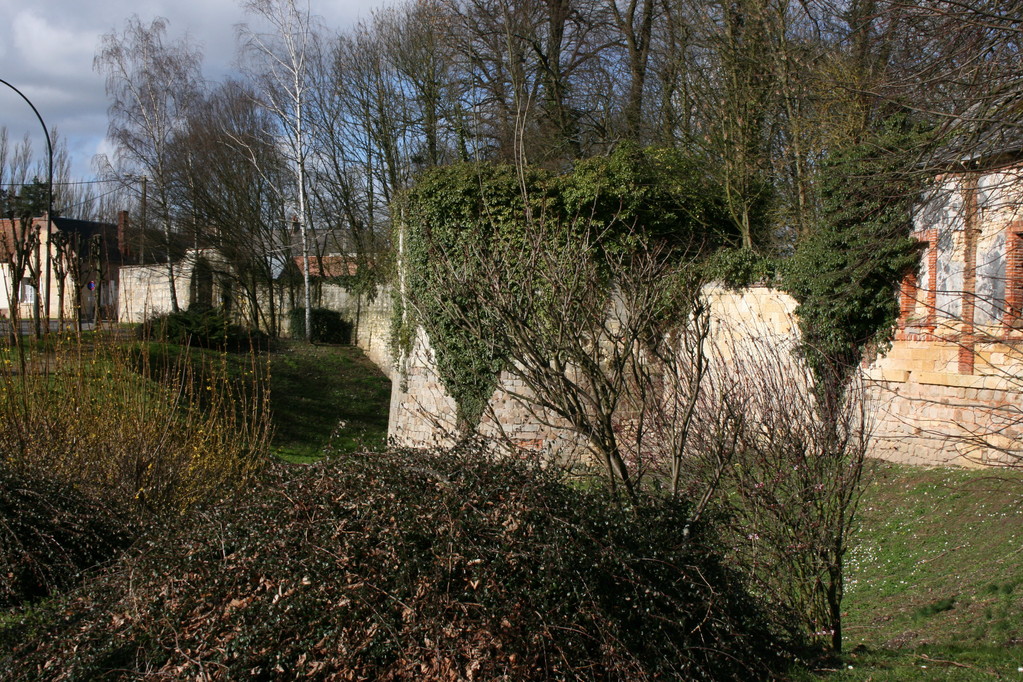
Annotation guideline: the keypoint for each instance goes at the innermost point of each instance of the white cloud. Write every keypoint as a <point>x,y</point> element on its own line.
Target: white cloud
<point>47,50</point>
<point>53,49</point>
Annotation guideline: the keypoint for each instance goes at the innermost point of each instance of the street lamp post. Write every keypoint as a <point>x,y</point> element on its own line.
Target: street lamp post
<point>49,194</point>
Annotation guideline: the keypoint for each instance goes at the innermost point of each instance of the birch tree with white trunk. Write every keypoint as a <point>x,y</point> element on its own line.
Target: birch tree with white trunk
<point>280,58</point>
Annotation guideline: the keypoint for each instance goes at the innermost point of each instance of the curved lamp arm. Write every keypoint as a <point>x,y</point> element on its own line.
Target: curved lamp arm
<point>49,189</point>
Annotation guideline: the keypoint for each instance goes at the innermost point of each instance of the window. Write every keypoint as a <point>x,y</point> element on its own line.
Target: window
<point>27,295</point>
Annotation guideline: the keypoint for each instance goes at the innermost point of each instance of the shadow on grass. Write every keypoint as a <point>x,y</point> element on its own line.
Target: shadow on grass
<point>326,399</point>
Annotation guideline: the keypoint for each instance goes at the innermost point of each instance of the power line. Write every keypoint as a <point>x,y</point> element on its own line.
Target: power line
<point>88,200</point>
<point>69,184</point>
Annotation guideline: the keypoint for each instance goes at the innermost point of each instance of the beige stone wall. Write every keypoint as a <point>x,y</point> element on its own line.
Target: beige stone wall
<point>933,415</point>
<point>950,389</point>
<point>924,411</point>
<point>422,414</point>
<point>758,314</point>
<point>145,292</point>
<point>371,318</point>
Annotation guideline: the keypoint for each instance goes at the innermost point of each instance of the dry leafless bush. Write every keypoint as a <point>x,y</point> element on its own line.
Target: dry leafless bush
<point>160,436</point>
<point>795,477</point>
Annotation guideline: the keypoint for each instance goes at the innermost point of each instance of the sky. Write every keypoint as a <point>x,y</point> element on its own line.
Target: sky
<point>47,49</point>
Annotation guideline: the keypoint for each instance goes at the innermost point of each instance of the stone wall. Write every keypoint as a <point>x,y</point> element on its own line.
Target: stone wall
<point>924,411</point>
<point>950,389</point>
<point>422,414</point>
<point>145,292</point>
<point>370,317</point>
<point>932,414</point>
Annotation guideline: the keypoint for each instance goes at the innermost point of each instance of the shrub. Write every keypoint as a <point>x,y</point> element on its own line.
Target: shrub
<point>201,326</point>
<point>50,532</point>
<point>328,326</point>
<point>411,566</point>
<point>846,274</point>
<point>157,439</point>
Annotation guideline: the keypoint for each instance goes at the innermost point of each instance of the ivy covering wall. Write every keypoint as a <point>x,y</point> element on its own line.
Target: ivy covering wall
<point>472,225</point>
<point>845,275</point>
<point>469,226</point>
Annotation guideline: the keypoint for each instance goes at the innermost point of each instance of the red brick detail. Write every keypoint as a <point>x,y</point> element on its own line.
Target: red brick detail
<point>966,357</point>
<point>931,301</point>
<point>970,232</point>
<point>531,444</point>
<point>1013,275</point>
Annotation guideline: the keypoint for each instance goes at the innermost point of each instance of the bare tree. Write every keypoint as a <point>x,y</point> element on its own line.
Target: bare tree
<point>72,198</point>
<point>634,20</point>
<point>228,173</point>
<point>739,91</point>
<point>282,61</point>
<point>577,333</point>
<point>152,84</point>
<point>22,202</point>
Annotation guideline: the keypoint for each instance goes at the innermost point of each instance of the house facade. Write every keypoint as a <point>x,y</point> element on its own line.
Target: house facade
<point>951,385</point>
<point>57,268</point>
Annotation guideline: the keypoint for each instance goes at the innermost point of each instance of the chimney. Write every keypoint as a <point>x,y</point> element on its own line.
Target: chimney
<point>122,235</point>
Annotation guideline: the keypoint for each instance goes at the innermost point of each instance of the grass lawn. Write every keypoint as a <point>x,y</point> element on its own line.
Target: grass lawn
<point>935,583</point>
<point>323,398</point>
<point>326,399</point>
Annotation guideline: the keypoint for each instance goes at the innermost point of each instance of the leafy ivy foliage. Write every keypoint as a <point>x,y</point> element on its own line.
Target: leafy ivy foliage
<point>432,565</point>
<point>661,195</point>
<point>845,275</point>
<point>740,268</point>
<point>462,215</point>
<point>466,222</point>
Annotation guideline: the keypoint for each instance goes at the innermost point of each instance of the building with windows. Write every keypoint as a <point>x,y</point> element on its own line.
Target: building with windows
<point>952,382</point>
<point>61,268</point>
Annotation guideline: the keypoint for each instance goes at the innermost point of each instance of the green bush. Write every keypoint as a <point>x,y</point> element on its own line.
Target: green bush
<point>328,326</point>
<point>413,566</point>
<point>740,268</point>
<point>845,275</point>
<point>201,326</point>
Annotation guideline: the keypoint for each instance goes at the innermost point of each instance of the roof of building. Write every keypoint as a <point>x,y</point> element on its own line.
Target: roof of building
<point>85,230</point>
<point>987,133</point>
<point>329,266</point>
